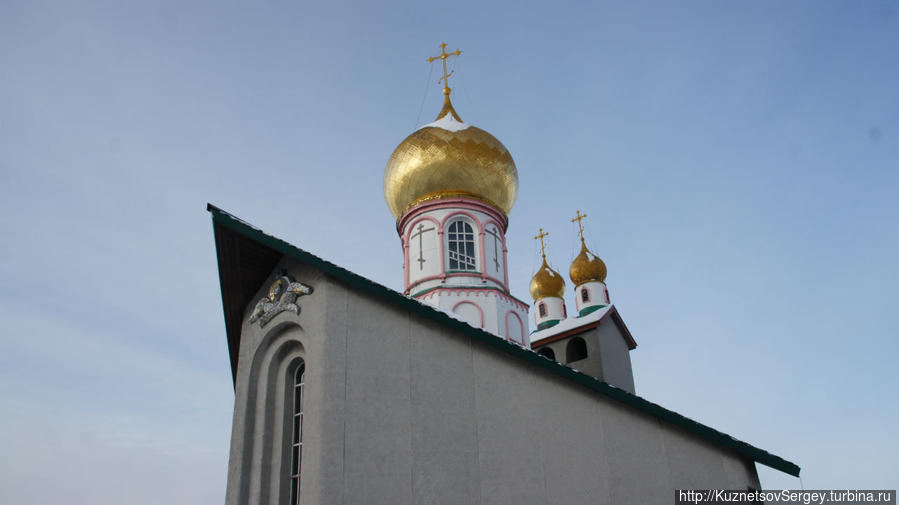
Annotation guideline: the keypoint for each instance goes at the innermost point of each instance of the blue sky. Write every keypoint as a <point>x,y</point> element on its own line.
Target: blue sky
<point>737,161</point>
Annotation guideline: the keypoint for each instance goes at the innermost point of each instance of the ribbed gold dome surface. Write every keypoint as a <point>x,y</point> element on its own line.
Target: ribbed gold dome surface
<point>587,267</point>
<point>446,159</point>
<point>547,282</point>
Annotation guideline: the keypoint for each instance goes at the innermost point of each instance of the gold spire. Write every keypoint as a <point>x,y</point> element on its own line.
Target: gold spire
<point>586,266</point>
<point>546,282</point>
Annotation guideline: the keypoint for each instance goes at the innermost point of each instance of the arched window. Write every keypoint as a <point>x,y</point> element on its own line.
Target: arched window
<point>548,352</point>
<point>585,295</point>
<point>460,246</point>
<point>541,309</point>
<point>270,457</point>
<point>576,350</point>
<point>296,452</point>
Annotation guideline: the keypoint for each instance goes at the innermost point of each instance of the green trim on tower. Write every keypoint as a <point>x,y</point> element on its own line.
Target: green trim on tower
<point>231,234</point>
<point>547,324</point>
<point>587,310</point>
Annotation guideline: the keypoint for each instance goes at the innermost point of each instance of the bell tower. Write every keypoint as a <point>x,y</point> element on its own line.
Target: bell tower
<point>595,340</point>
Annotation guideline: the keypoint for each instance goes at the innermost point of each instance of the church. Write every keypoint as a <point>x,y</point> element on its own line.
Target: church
<point>452,391</point>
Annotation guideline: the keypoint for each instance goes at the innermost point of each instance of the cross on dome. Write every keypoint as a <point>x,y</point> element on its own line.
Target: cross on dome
<point>443,56</point>
<point>580,226</point>
<point>542,245</point>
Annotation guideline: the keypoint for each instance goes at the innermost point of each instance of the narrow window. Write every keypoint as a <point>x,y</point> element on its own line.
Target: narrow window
<point>576,350</point>
<point>541,309</point>
<point>460,244</point>
<point>548,352</point>
<point>296,450</point>
<point>585,295</point>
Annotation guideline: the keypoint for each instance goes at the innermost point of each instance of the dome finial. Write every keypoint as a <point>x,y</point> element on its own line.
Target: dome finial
<point>443,56</point>
<point>542,245</point>
<point>580,226</point>
<point>447,106</point>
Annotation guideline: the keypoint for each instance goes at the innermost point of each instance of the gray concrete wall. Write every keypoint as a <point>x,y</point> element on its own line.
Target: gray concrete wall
<point>400,410</point>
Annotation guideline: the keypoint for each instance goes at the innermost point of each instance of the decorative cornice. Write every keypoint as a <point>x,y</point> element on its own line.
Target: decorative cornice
<point>454,203</point>
<point>472,289</point>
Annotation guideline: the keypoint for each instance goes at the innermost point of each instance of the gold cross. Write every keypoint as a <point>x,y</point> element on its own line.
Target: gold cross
<point>580,227</point>
<point>443,56</point>
<point>542,245</point>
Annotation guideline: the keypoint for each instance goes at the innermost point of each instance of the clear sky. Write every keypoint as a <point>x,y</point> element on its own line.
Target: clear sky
<point>738,161</point>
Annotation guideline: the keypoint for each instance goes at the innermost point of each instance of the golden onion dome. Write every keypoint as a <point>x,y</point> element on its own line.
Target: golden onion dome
<point>446,159</point>
<point>547,282</point>
<point>587,267</point>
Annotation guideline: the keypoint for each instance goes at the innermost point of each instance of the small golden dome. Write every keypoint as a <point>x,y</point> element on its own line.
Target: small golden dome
<point>587,267</point>
<point>446,159</point>
<point>547,282</point>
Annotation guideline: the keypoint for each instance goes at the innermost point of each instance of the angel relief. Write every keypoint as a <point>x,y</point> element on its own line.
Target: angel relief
<point>282,296</point>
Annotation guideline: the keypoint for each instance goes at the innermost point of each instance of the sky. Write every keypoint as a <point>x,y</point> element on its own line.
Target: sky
<point>737,162</point>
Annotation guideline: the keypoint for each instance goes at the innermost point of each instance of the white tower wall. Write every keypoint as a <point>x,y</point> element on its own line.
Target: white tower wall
<point>597,295</point>
<point>554,310</point>
<point>454,257</point>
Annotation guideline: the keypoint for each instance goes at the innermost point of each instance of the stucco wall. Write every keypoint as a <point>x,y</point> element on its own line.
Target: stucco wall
<point>400,410</point>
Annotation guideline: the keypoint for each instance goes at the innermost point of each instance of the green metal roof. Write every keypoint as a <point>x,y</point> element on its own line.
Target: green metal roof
<point>245,253</point>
